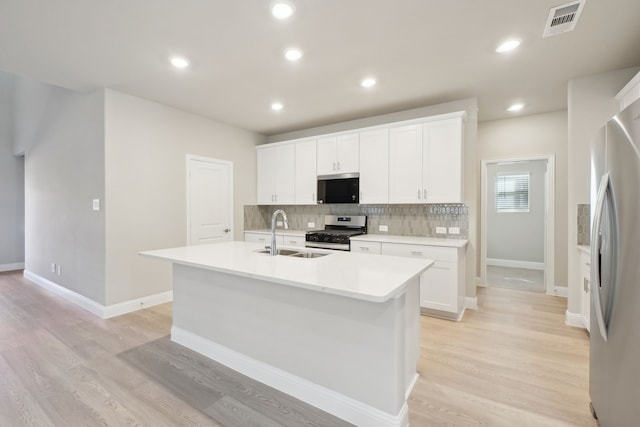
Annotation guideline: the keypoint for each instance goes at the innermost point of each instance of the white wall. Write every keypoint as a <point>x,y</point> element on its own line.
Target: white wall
<point>146,145</point>
<point>517,236</point>
<point>527,136</point>
<point>471,177</point>
<point>591,103</point>
<point>11,183</point>
<point>64,171</point>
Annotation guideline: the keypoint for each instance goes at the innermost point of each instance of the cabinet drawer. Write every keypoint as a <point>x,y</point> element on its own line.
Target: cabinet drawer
<point>366,247</point>
<point>262,238</point>
<point>296,241</point>
<point>435,253</point>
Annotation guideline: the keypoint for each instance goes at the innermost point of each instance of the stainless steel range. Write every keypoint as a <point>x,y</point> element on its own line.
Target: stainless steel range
<point>337,231</point>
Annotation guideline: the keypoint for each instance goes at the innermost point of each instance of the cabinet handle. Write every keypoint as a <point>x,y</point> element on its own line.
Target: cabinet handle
<point>261,239</point>
<point>293,242</point>
<point>586,285</point>
<point>364,249</point>
<point>338,163</point>
<point>416,253</point>
<point>425,193</point>
<point>334,165</point>
<point>313,197</point>
<point>418,194</point>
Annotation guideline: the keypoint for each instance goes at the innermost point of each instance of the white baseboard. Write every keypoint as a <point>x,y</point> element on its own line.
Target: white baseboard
<point>130,306</point>
<point>471,303</point>
<point>560,291</point>
<point>102,311</point>
<point>12,267</point>
<point>328,400</point>
<point>573,319</point>
<point>515,264</point>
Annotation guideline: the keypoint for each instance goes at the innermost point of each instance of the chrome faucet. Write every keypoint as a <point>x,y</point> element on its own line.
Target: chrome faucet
<point>273,228</point>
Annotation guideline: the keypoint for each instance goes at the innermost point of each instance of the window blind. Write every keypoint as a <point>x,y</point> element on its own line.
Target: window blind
<point>512,193</point>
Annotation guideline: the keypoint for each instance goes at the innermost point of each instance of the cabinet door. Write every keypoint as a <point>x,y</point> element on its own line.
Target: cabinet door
<point>306,180</point>
<point>374,166</point>
<point>438,287</point>
<point>267,162</point>
<point>442,161</point>
<point>348,153</point>
<point>327,156</point>
<point>405,164</point>
<point>285,175</point>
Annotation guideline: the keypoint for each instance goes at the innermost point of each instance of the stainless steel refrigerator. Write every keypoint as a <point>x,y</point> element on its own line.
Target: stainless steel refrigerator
<point>614,381</point>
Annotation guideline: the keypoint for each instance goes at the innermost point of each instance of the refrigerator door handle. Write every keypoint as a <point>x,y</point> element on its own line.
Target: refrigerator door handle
<point>596,238</point>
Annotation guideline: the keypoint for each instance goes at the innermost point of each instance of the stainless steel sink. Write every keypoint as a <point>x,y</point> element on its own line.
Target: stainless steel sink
<point>308,255</point>
<point>293,253</point>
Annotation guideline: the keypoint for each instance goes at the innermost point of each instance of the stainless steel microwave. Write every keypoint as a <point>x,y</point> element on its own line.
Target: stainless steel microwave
<point>342,188</point>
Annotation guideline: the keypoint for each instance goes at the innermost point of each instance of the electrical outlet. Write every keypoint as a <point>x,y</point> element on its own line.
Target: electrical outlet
<point>58,270</point>
<point>96,204</point>
<point>311,225</point>
<point>279,223</point>
<point>454,230</point>
<point>441,230</point>
<point>383,228</point>
<point>53,267</point>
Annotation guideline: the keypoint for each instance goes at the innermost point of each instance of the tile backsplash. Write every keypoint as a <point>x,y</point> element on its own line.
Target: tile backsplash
<point>584,224</point>
<point>403,220</point>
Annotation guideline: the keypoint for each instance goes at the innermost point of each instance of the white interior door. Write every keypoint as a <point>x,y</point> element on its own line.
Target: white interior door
<point>209,200</point>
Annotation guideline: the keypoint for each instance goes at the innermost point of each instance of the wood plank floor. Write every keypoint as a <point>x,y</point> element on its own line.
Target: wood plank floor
<point>511,363</point>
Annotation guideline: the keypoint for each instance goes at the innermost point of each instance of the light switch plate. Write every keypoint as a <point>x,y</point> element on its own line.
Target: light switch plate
<point>311,225</point>
<point>53,267</point>
<point>96,204</point>
<point>58,270</point>
<point>454,230</point>
<point>383,228</point>
<point>441,230</point>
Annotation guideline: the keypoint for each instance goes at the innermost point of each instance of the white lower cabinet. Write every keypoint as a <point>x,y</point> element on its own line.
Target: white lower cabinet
<point>281,239</point>
<point>442,289</point>
<point>585,288</point>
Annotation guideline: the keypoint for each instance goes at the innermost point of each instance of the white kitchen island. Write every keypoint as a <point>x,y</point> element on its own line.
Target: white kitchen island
<point>340,332</point>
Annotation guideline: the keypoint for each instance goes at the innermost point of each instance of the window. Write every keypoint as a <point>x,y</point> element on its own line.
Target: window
<point>512,193</point>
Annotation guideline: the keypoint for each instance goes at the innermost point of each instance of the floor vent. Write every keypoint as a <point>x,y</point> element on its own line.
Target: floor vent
<point>563,18</point>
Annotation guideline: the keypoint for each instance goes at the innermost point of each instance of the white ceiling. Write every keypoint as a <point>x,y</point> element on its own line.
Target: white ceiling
<point>422,52</point>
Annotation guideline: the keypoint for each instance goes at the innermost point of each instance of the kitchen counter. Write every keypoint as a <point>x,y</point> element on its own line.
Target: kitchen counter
<point>359,276</point>
<point>411,240</point>
<point>340,332</point>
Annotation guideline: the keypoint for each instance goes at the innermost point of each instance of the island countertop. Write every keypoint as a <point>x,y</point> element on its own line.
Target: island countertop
<point>375,278</point>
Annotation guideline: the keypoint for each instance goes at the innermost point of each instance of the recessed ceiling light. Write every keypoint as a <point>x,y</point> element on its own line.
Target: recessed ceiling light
<point>277,106</point>
<point>293,54</point>
<point>508,46</point>
<point>368,82</point>
<point>282,10</point>
<point>179,62</point>
<point>515,107</point>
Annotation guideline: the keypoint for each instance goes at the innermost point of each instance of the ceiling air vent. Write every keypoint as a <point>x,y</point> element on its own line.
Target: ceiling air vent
<point>563,18</point>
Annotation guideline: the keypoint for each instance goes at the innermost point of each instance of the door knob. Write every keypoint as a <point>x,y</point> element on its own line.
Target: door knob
<point>226,230</point>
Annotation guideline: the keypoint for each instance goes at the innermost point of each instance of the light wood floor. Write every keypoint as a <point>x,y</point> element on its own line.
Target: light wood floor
<point>511,363</point>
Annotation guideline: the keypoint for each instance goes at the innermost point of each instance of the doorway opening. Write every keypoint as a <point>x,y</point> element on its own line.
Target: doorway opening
<point>517,226</point>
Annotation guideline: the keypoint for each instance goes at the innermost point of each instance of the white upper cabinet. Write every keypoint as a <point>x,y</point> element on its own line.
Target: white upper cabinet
<point>442,161</point>
<point>276,174</point>
<point>374,166</point>
<point>417,161</point>
<point>338,154</point>
<point>425,162</point>
<point>305,175</point>
<point>405,164</point>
